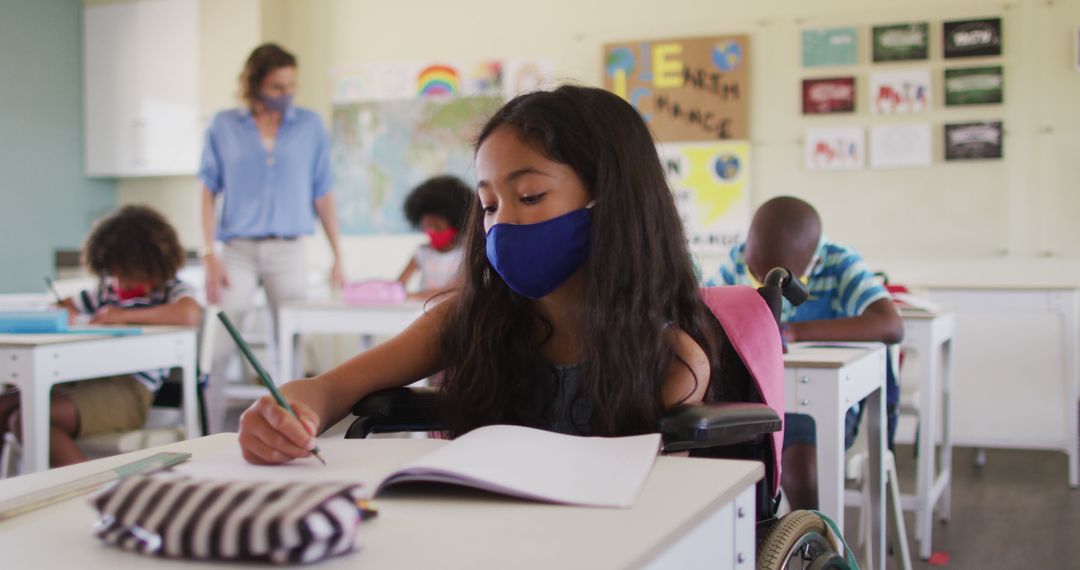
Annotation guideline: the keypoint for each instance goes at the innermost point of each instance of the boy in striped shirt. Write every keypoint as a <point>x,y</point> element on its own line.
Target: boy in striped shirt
<point>136,254</point>
<point>846,303</point>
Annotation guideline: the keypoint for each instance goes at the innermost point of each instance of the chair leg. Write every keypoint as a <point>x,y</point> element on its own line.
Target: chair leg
<point>896,513</point>
<point>200,396</point>
<point>10,456</point>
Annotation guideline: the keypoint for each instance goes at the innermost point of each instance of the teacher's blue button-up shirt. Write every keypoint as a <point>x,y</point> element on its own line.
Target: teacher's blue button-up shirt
<point>266,193</point>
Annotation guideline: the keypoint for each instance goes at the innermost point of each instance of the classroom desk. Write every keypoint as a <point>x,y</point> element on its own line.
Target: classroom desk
<point>692,513</point>
<point>1016,343</point>
<point>824,380</point>
<point>930,336</point>
<point>331,317</point>
<point>36,362</point>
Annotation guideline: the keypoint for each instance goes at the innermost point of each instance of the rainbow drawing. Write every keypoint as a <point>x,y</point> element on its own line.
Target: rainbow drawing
<point>438,80</point>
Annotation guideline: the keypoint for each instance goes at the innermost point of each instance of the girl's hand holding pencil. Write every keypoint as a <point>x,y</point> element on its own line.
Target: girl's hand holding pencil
<point>270,435</point>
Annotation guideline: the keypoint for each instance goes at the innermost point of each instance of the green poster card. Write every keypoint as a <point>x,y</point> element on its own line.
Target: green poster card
<point>828,46</point>
<point>974,85</point>
<point>901,42</point>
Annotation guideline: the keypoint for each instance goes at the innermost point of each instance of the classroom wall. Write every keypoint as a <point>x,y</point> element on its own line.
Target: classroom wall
<point>1002,214</point>
<point>47,202</point>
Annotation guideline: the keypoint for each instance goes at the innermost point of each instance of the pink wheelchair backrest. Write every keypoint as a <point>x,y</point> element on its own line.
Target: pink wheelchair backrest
<point>752,331</point>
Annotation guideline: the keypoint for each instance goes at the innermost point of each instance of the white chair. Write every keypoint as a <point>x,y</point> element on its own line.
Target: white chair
<point>858,473</point>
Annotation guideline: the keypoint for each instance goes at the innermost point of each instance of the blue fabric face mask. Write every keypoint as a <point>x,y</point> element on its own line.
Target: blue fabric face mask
<point>277,104</point>
<point>534,259</point>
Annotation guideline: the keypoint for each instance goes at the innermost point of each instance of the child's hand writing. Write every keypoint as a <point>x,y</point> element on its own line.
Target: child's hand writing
<point>269,435</point>
<point>109,315</point>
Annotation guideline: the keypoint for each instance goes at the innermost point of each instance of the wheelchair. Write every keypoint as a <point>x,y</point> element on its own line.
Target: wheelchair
<point>727,430</point>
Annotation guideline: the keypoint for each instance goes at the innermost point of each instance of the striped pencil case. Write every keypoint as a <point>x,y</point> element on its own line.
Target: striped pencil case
<point>180,517</point>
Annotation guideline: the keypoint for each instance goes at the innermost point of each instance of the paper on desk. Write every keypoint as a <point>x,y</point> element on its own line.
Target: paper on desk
<point>541,465</point>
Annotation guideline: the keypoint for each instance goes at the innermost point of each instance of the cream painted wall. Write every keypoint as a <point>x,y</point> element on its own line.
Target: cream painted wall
<point>1003,214</point>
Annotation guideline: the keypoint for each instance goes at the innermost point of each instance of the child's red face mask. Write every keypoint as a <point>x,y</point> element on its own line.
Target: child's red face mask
<point>441,239</point>
<point>130,289</point>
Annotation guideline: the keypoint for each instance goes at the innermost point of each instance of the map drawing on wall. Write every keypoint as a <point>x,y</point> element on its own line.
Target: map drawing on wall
<point>900,145</point>
<point>829,46</point>
<point>973,141</point>
<point>974,85</point>
<point>711,183</point>
<point>895,92</point>
<point>835,148</point>
<point>972,38</point>
<point>828,95</point>
<point>396,125</point>
<point>687,89</point>
<point>900,42</point>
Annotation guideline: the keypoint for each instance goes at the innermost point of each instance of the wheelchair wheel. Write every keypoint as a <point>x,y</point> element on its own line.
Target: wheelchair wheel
<point>799,541</point>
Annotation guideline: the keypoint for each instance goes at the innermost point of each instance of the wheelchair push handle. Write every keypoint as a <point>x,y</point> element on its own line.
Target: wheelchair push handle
<point>793,289</point>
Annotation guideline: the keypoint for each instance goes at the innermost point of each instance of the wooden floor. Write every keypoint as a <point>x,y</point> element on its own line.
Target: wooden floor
<point>1016,511</point>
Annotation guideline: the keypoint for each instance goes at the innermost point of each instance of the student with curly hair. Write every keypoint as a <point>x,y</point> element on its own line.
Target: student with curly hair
<point>438,208</point>
<point>135,253</point>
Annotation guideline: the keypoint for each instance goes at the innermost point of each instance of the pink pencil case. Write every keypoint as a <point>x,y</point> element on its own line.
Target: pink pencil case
<point>373,292</point>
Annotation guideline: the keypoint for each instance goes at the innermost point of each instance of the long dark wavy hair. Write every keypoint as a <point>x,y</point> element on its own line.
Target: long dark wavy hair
<point>639,278</point>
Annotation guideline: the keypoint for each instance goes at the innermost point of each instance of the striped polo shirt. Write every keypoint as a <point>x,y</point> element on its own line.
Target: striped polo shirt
<point>89,301</point>
<point>840,283</point>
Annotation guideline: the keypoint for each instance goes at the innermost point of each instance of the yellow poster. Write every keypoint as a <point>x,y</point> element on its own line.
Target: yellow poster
<point>711,183</point>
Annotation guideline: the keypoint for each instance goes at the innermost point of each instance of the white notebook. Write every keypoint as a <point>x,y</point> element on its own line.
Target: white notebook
<point>512,460</point>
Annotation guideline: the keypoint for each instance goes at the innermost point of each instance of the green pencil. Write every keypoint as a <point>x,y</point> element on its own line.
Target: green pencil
<point>263,375</point>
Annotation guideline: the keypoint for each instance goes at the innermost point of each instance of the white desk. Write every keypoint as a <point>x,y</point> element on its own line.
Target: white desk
<point>930,336</point>
<point>692,513</point>
<point>823,380</point>
<point>35,363</point>
<point>337,318</point>
<point>1017,371</point>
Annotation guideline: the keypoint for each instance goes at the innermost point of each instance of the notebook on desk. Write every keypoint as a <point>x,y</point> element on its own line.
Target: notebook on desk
<point>510,460</point>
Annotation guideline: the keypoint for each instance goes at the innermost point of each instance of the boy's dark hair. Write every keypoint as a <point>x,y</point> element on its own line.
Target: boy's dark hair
<point>136,242</point>
<point>445,196</point>
<point>639,279</point>
<point>262,62</point>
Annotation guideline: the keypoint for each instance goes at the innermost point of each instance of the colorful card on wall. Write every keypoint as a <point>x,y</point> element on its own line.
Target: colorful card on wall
<point>972,38</point>
<point>974,86</point>
<point>835,148</point>
<point>901,42</point>
<point>900,145</point>
<point>896,92</point>
<point>711,183</point>
<point>397,81</point>
<point>973,141</point>
<point>688,89</point>
<point>828,95</point>
<point>828,46</point>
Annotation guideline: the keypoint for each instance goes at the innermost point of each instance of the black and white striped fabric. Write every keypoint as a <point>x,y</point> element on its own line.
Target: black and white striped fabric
<point>180,517</point>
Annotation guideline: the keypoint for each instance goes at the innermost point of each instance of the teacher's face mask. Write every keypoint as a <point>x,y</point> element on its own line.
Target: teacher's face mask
<point>278,104</point>
<point>535,259</point>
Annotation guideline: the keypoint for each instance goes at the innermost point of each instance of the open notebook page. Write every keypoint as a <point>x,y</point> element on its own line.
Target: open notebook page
<point>541,465</point>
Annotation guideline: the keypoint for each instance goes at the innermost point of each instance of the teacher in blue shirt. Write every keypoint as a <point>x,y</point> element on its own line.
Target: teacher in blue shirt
<point>268,163</point>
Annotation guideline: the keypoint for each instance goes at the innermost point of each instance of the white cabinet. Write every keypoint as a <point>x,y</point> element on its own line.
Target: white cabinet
<point>141,88</point>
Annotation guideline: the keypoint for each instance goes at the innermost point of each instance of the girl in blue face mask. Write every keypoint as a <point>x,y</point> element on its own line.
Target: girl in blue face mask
<point>577,308</point>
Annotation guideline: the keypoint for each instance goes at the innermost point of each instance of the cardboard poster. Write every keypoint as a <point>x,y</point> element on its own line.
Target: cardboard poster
<point>829,46</point>
<point>972,38</point>
<point>896,92</point>
<point>835,148</point>
<point>973,141</point>
<point>974,86</point>
<point>900,145</point>
<point>711,183</point>
<point>828,95</point>
<point>687,89</point>
<point>901,42</point>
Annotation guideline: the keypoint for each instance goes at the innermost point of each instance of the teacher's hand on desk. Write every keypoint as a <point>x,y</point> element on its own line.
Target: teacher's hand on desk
<point>216,278</point>
<point>270,435</point>
<point>337,274</point>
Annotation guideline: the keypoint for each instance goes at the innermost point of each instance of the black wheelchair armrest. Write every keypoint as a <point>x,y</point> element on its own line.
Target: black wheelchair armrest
<point>699,426</point>
<point>397,410</point>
